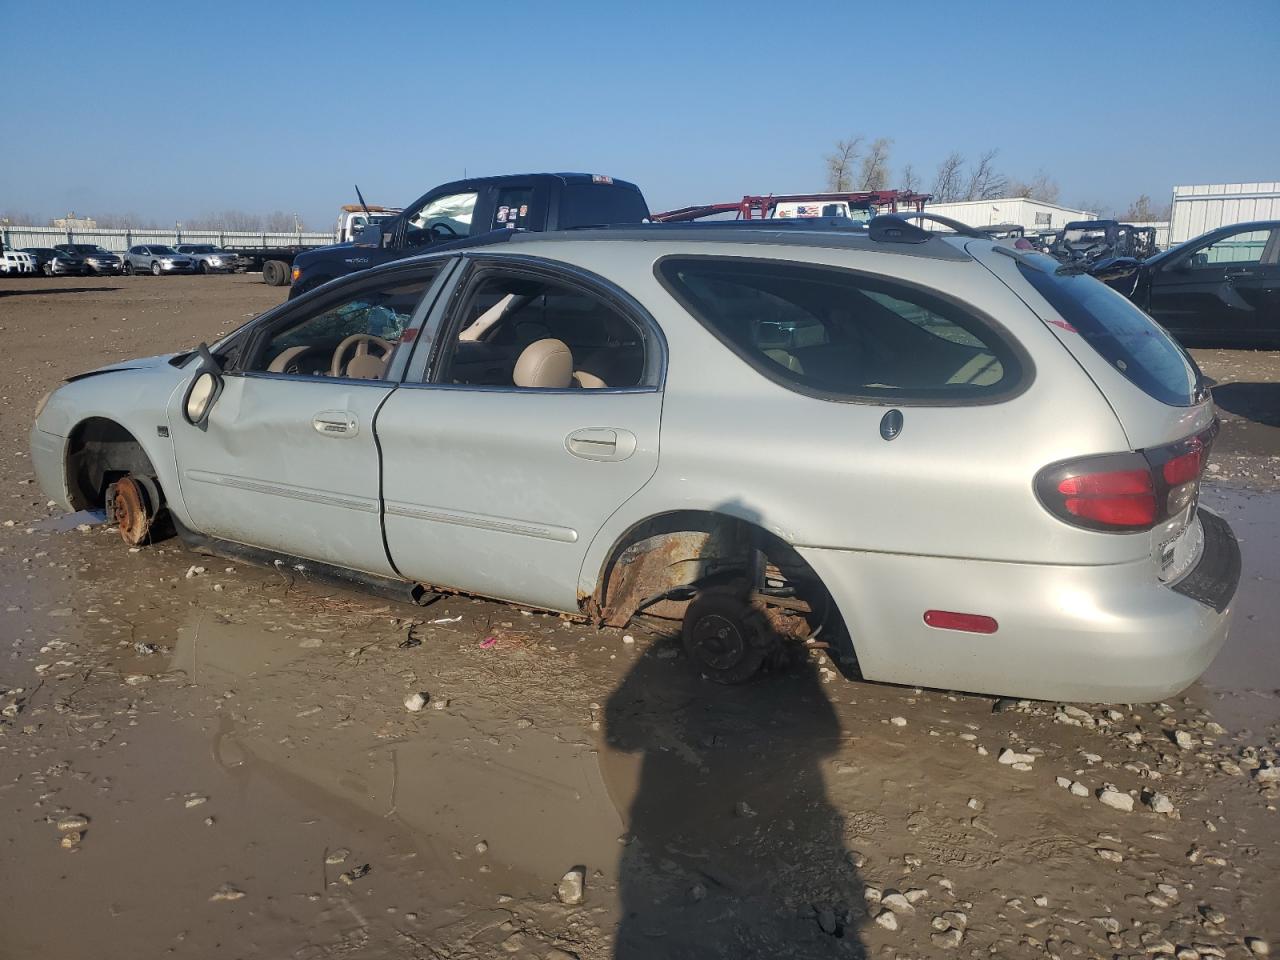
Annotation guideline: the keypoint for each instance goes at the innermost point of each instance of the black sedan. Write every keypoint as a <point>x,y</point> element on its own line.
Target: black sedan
<point>57,263</point>
<point>1220,289</point>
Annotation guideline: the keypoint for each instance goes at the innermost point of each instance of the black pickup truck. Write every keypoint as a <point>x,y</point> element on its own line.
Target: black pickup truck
<point>470,208</point>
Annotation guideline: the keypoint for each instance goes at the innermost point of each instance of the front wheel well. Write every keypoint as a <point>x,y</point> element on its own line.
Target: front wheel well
<point>100,452</point>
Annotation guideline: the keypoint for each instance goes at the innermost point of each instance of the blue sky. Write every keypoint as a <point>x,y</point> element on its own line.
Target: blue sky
<point>284,106</point>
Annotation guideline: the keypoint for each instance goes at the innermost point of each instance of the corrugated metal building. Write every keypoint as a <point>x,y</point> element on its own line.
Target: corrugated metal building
<point>1200,208</point>
<point>1034,215</point>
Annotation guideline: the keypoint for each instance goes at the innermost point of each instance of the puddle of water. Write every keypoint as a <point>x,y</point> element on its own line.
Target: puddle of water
<point>1242,686</point>
<point>215,651</point>
<point>535,797</point>
<point>66,522</point>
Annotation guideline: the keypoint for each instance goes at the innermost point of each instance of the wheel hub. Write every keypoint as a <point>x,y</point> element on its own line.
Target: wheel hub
<point>131,511</point>
<point>719,641</point>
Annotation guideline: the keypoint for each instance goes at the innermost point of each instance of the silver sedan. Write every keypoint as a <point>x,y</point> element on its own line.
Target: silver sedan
<point>157,260</point>
<point>947,462</point>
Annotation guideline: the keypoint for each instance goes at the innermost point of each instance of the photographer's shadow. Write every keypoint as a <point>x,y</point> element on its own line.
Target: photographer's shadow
<point>734,849</point>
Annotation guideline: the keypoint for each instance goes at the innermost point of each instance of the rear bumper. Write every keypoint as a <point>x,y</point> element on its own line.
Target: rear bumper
<point>1095,634</point>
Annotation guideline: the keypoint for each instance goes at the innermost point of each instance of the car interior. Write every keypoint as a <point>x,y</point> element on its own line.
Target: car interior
<point>523,332</point>
<point>354,339</point>
<point>838,336</point>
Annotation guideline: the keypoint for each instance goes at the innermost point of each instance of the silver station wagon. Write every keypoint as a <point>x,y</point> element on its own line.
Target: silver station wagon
<point>948,462</point>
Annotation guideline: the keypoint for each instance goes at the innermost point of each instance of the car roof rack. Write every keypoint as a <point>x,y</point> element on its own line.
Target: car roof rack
<point>892,232</point>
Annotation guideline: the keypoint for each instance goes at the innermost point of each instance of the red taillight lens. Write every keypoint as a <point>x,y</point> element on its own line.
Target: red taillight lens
<point>1184,468</point>
<point>1122,492</point>
<point>1118,498</point>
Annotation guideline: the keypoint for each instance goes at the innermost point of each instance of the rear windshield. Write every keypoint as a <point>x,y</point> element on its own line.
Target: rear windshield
<point>841,335</point>
<point>596,204</point>
<point>1122,334</point>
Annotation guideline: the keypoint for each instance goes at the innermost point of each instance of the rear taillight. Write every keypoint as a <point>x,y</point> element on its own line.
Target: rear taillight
<point>1116,498</point>
<point>1125,492</point>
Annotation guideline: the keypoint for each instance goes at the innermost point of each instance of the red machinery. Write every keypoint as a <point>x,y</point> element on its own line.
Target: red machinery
<point>749,207</point>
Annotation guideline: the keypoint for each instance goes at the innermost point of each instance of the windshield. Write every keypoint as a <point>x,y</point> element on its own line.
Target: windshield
<point>163,251</point>
<point>1085,236</point>
<point>88,248</point>
<point>1123,335</point>
<point>199,248</point>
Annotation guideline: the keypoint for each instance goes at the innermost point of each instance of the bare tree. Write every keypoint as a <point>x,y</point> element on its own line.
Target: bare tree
<point>21,218</point>
<point>946,182</point>
<point>909,180</point>
<point>1040,187</point>
<point>985,182</point>
<point>1141,211</point>
<point>1096,207</point>
<point>277,221</point>
<point>123,221</point>
<point>874,174</point>
<point>840,164</point>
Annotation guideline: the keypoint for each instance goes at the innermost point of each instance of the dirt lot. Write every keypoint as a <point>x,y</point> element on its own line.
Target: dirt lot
<point>202,759</point>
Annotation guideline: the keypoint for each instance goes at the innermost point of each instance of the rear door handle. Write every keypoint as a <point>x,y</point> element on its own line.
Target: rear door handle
<point>1232,274</point>
<point>335,423</point>
<point>601,443</point>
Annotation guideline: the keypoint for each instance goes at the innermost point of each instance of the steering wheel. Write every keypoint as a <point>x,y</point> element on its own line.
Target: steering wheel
<point>444,228</point>
<point>358,344</point>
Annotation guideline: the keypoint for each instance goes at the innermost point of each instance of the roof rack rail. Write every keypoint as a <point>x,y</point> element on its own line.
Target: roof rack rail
<point>889,228</point>
<point>961,228</point>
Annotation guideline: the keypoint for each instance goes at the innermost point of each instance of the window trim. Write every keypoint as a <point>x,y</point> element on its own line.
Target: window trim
<point>995,334</point>
<point>473,269</point>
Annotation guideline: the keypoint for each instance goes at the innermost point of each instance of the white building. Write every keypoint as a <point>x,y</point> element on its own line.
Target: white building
<point>1200,208</point>
<point>72,222</point>
<point>1036,216</point>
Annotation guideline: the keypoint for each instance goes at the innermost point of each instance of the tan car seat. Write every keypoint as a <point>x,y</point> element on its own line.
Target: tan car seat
<point>588,381</point>
<point>546,363</point>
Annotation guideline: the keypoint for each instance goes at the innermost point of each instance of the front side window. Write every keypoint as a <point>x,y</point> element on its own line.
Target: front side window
<point>353,338</point>
<point>1242,248</point>
<point>519,330</point>
<point>842,335</point>
<point>444,218</point>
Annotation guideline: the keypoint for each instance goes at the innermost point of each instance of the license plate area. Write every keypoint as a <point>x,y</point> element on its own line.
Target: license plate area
<point>1175,555</point>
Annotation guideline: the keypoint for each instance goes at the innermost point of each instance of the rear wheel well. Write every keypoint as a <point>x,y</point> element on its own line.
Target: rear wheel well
<point>100,452</point>
<point>653,560</point>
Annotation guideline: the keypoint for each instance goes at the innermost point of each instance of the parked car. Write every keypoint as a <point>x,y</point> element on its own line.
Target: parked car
<point>157,260</point>
<point>1220,289</point>
<point>943,458</point>
<point>15,262</point>
<point>59,263</point>
<point>208,258</point>
<point>100,259</point>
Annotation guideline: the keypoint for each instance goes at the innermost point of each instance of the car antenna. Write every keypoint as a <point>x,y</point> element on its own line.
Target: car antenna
<point>362,203</point>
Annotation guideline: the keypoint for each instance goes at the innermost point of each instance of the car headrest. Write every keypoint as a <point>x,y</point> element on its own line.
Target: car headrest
<point>544,363</point>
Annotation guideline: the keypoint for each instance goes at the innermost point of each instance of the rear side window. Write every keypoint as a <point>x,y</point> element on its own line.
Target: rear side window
<point>597,204</point>
<point>1125,337</point>
<point>841,335</point>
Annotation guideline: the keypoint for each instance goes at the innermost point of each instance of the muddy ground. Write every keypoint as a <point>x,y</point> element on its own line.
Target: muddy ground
<point>203,759</point>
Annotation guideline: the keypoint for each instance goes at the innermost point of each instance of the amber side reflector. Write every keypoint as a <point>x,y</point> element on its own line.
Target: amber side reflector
<point>969,622</point>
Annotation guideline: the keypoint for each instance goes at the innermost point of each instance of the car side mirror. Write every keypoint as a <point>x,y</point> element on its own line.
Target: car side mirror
<point>367,235</point>
<point>204,389</point>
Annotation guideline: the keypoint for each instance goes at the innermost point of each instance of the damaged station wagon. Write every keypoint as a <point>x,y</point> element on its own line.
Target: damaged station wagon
<point>950,463</point>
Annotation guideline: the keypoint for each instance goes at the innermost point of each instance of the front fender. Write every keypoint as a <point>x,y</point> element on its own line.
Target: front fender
<point>137,398</point>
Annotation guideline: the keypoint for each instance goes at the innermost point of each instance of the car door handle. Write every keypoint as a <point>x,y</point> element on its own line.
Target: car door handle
<point>1232,274</point>
<point>601,443</point>
<point>335,423</point>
